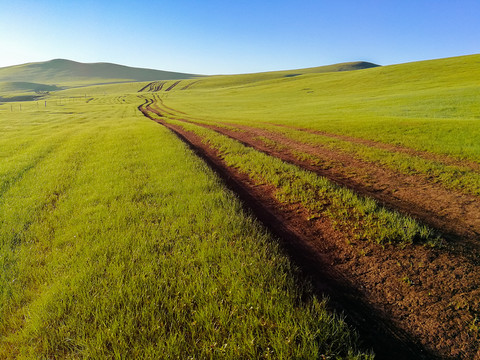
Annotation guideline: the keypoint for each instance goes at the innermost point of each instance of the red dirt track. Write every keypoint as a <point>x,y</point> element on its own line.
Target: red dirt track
<point>407,303</point>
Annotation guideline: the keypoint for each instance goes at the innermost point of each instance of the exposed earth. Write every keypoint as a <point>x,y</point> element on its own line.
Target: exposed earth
<point>410,302</point>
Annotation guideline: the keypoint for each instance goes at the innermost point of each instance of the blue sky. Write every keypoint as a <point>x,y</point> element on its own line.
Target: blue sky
<point>214,36</point>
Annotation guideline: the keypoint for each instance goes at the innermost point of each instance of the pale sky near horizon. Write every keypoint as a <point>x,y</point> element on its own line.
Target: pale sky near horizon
<point>220,36</point>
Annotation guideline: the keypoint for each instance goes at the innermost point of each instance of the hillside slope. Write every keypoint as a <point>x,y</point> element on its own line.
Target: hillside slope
<point>67,72</point>
<point>245,79</point>
<point>428,105</point>
<point>402,137</point>
<point>24,91</point>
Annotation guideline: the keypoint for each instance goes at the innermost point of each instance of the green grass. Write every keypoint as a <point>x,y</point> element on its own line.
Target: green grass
<point>117,242</point>
<point>457,177</point>
<point>361,218</point>
<point>23,91</point>
<point>227,81</point>
<point>452,176</point>
<point>72,73</point>
<point>430,106</point>
<point>25,87</point>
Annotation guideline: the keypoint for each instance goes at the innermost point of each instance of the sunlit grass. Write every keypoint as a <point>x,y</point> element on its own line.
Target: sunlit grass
<point>452,176</point>
<point>431,106</point>
<point>361,218</point>
<point>117,242</point>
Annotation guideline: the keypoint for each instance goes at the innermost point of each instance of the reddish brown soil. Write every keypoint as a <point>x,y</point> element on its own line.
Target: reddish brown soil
<point>448,160</point>
<point>455,213</point>
<point>410,303</point>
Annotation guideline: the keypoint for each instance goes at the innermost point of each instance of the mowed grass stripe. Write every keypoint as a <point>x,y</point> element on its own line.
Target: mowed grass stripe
<point>128,246</point>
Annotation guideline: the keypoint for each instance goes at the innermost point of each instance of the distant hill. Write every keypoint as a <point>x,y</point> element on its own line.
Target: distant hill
<point>19,86</point>
<point>31,80</point>
<point>246,79</point>
<point>348,66</point>
<point>60,72</point>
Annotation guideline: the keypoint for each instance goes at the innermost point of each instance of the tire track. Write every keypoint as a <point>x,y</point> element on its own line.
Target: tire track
<point>190,84</point>
<point>442,304</point>
<point>154,86</point>
<point>146,86</point>
<point>173,85</point>
<point>456,214</point>
<point>444,159</point>
<point>387,339</point>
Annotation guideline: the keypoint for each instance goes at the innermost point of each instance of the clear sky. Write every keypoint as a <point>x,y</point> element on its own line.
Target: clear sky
<point>223,36</point>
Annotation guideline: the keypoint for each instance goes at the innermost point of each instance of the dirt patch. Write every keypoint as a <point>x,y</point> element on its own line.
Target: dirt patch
<point>411,303</point>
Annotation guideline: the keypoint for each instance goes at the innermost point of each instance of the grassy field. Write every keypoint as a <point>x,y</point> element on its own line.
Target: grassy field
<point>360,217</point>
<point>432,105</point>
<point>117,242</point>
<point>405,136</point>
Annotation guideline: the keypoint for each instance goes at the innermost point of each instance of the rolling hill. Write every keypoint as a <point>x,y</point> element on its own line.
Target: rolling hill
<point>21,86</point>
<point>245,79</point>
<point>61,72</point>
<point>24,82</point>
<point>67,73</point>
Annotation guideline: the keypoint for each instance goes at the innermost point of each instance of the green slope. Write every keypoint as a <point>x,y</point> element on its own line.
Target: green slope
<point>19,86</point>
<point>429,105</point>
<point>245,79</point>
<point>20,82</point>
<point>66,72</point>
<point>24,91</point>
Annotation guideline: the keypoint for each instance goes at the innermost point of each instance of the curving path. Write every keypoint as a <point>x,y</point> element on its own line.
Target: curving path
<point>422,301</point>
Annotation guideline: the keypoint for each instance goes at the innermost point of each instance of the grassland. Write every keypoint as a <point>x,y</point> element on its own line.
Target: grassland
<point>117,242</point>
<point>417,122</point>
<point>97,202</point>
<point>361,217</point>
<point>406,135</point>
<point>71,73</point>
<point>431,106</point>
